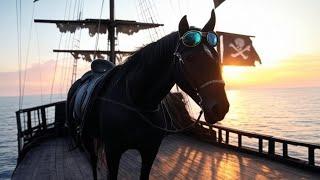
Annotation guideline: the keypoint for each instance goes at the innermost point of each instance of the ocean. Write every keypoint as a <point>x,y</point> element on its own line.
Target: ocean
<point>289,113</point>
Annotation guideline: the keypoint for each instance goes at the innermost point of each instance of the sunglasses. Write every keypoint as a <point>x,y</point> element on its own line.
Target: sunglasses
<point>193,38</point>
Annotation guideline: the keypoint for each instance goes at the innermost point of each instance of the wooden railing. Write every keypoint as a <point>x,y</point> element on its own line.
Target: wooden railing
<point>37,122</point>
<point>221,135</point>
<point>33,123</point>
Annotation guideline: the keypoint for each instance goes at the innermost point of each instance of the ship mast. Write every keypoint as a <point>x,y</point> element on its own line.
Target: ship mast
<point>112,33</point>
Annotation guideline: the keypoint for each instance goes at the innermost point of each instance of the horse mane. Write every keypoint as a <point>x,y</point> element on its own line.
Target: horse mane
<point>153,51</point>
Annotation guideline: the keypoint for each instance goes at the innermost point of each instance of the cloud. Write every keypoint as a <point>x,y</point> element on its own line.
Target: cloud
<point>39,78</point>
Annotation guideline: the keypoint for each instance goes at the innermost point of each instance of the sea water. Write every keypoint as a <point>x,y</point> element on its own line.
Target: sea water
<point>287,113</point>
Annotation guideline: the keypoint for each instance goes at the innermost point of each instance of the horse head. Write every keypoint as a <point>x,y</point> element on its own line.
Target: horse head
<point>200,69</point>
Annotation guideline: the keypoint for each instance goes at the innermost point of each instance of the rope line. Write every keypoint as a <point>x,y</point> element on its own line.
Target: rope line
<point>27,55</point>
<point>39,62</point>
<point>99,24</point>
<point>57,55</point>
<point>18,23</point>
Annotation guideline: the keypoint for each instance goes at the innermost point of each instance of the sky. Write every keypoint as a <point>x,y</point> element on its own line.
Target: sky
<point>287,36</point>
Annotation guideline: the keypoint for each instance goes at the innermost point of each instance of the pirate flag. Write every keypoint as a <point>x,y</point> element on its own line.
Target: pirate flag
<point>217,2</point>
<point>237,50</point>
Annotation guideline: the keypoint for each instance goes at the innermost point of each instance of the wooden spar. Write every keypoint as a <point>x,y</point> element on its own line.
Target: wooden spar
<point>81,23</point>
<point>78,53</point>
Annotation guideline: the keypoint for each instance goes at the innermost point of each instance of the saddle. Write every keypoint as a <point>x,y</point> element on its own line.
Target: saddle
<point>88,89</point>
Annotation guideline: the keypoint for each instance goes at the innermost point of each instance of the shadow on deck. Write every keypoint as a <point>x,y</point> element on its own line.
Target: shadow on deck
<point>180,157</point>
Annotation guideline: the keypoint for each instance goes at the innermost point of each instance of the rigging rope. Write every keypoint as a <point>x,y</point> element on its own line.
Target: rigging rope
<point>99,24</point>
<point>39,62</point>
<point>57,56</point>
<point>18,18</point>
<point>66,57</point>
<point>75,61</point>
<point>65,60</point>
<point>27,55</point>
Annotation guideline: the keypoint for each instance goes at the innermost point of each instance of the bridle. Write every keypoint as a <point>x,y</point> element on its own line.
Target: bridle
<point>178,60</point>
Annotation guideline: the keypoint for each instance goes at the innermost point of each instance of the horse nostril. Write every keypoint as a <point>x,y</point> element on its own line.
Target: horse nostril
<point>214,109</point>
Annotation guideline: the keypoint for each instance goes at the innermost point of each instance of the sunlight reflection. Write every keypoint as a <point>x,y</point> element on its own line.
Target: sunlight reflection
<point>229,168</point>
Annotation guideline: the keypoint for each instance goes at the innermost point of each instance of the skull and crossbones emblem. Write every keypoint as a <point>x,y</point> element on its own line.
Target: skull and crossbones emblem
<point>240,48</point>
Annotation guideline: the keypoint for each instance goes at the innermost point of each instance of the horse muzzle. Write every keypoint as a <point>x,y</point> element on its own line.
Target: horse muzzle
<point>215,111</point>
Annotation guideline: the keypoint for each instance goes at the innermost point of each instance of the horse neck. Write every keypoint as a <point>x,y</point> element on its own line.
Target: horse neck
<point>153,80</point>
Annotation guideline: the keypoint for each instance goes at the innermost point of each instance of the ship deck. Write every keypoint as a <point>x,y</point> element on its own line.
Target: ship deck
<point>180,157</point>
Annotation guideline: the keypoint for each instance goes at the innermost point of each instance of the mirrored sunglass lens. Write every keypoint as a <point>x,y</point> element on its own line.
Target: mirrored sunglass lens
<point>212,39</point>
<point>192,38</point>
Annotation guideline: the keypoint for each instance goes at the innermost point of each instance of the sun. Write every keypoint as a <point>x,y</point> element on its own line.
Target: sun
<point>234,73</point>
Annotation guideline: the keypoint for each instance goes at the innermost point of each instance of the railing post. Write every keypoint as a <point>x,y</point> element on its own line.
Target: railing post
<point>220,136</point>
<point>39,117</point>
<point>29,130</point>
<point>239,141</point>
<point>311,156</point>
<point>285,149</point>
<point>260,145</point>
<point>43,118</point>
<point>60,115</point>
<point>227,137</point>
<point>210,131</point>
<point>19,131</point>
<point>271,146</point>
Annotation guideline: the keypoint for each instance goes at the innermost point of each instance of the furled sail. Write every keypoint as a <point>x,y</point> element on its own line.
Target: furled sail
<point>101,26</point>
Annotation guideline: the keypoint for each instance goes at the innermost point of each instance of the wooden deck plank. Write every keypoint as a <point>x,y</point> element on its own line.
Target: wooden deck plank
<point>180,157</point>
<point>71,162</point>
<point>59,159</point>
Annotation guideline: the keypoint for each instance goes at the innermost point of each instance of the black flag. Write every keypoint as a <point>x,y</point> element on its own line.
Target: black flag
<point>217,2</point>
<point>236,49</point>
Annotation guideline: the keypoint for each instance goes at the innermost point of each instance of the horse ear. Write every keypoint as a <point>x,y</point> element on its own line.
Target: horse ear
<point>183,26</point>
<point>211,23</point>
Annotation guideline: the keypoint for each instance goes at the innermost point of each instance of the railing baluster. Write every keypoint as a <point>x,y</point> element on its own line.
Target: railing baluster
<point>260,145</point>
<point>29,126</point>
<point>227,137</point>
<point>39,119</point>
<point>285,149</point>
<point>43,118</point>
<point>311,155</point>
<point>19,131</point>
<point>219,135</point>
<point>239,140</point>
<point>210,132</point>
<point>271,146</point>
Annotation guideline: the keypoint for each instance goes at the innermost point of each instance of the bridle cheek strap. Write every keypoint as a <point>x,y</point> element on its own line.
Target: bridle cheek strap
<point>181,62</point>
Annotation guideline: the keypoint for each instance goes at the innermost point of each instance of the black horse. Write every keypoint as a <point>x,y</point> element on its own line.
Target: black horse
<point>126,113</point>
